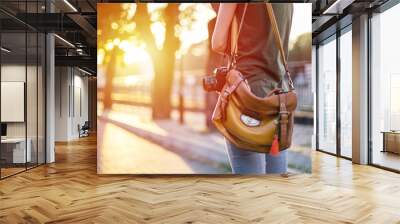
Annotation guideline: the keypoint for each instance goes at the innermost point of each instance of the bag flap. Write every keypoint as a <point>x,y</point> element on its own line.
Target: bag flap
<point>267,105</point>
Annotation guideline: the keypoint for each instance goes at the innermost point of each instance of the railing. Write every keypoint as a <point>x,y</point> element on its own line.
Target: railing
<point>136,90</point>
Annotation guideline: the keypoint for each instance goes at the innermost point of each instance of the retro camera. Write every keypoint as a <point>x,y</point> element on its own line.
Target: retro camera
<point>216,81</point>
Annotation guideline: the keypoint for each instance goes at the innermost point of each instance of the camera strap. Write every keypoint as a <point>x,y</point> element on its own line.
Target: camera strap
<point>235,36</point>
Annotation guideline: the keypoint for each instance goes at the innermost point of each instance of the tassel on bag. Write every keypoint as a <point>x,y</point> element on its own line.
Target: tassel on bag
<point>275,146</point>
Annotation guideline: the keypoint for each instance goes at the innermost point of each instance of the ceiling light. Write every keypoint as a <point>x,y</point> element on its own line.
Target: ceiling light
<point>5,50</point>
<point>337,7</point>
<point>64,40</point>
<point>70,5</point>
<point>84,71</point>
<point>79,51</point>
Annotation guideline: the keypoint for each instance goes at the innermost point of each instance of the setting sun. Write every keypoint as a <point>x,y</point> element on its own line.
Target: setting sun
<point>191,30</point>
<point>136,55</point>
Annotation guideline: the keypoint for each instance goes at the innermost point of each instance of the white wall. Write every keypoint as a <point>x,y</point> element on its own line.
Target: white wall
<point>71,94</point>
<point>13,101</point>
<point>80,105</point>
<point>62,81</point>
<point>13,73</point>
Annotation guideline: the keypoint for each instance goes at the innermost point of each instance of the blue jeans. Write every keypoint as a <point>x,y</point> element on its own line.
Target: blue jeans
<point>247,162</point>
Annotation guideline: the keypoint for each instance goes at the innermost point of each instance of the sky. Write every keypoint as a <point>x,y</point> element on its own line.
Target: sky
<point>301,19</point>
<point>301,23</point>
<point>198,31</point>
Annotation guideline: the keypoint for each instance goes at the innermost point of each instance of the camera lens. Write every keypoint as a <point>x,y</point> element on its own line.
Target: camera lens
<point>209,83</point>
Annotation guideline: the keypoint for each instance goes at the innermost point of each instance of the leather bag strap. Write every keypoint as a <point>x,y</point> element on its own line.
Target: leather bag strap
<point>275,30</point>
<point>283,119</point>
<point>278,42</point>
<point>226,93</point>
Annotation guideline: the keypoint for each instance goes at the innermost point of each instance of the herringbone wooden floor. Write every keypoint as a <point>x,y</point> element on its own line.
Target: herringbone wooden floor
<point>69,191</point>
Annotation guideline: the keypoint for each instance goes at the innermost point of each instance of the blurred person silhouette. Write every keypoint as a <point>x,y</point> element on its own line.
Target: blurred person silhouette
<point>259,61</point>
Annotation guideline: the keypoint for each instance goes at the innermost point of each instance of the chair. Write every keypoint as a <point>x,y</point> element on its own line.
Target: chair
<point>84,130</point>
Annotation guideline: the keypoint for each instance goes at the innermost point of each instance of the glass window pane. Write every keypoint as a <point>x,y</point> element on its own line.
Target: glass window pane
<point>346,94</point>
<point>327,96</point>
<point>385,86</point>
<point>23,87</point>
<point>13,86</point>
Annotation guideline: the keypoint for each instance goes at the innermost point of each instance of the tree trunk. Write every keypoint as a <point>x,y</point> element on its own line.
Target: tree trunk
<point>162,87</point>
<point>110,72</point>
<point>163,60</point>
<point>164,66</point>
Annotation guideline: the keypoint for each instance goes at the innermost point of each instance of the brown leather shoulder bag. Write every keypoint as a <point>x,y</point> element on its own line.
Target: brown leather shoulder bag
<point>251,122</point>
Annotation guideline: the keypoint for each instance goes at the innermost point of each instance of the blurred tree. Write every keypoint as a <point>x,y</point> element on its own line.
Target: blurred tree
<point>134,23</point>
<point>163,59</point>
<point>109,14</point>
<point>301,50</point>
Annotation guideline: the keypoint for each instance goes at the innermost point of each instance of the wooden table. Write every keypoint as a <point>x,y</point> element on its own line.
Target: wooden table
<point>391,141</point>
<point>13,150</point>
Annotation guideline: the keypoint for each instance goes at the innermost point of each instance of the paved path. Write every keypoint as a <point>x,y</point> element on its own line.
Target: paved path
<point>192,142</point>
<point>122,152</point>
